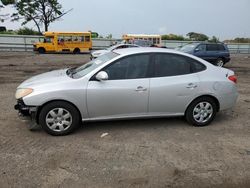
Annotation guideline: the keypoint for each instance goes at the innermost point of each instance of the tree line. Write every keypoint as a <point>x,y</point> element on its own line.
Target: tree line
<point>191,36</point>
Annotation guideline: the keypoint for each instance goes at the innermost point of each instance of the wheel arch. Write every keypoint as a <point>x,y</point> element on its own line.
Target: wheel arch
<point>41,48</point>
<point>77,50</point>
<point>210,96</point>
<point>60,100</point>
<point>221,57</point>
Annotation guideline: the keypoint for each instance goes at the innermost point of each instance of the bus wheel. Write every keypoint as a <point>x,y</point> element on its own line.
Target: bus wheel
<point>76,51</point>
<point>41,50</point>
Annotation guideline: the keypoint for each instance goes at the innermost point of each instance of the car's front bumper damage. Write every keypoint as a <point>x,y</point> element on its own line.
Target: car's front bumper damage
<point>27,112</point>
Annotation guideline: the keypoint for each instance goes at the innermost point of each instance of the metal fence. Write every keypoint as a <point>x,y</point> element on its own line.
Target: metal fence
<point>25,43</point>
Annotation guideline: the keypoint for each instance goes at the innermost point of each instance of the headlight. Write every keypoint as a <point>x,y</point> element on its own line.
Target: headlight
<point>20,93</point>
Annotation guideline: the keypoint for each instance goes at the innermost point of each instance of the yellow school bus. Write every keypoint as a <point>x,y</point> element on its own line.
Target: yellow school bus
<point>154,39</point>
<point>73,42</point>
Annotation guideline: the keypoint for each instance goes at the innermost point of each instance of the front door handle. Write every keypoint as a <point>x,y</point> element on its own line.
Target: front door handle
<point>191,86</point>
<point>140,89</point>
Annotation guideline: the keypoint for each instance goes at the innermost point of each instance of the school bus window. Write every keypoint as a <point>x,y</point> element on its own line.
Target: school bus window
<point>60,39</point>
<point>76,39</point>
<point>48,39</point>
<point>68,38</point>
<point>87,38</point>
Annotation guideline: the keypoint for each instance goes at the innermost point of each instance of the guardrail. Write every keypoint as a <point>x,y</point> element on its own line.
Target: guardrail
<point>25,43</point>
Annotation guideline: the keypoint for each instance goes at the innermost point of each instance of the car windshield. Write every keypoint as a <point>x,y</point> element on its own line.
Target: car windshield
<point>92,65</point>
<point>112,47</point>
<point>48,39</point>
<point>188,47</point>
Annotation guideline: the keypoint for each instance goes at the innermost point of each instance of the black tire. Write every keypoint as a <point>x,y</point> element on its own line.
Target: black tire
<point>41,50</point>
<point>77,51</point>
<point>219,62</point>
<point>192,115</point>
<point>68,108</point>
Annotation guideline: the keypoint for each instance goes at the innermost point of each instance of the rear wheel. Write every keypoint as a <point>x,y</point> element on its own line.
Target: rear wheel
<point>41,50</point>
<point>220,62</point>
<point>59,118</point>
<point>76,51</point>
<point>201,111</point>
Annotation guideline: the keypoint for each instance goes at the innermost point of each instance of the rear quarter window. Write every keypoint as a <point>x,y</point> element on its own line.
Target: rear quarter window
<point>175,65</point>
<point>197,66</point>
<point>221,47</point>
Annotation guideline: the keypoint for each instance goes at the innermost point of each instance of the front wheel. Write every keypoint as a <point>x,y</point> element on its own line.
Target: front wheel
<point>41,50</point>
<point>59,118</point>
<point>201,111</point>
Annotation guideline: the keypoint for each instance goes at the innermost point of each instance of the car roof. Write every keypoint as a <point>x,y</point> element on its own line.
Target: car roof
<point>130,51</point>
<point>206,42</point>
<point>141,50</point>
<point>127,44</point>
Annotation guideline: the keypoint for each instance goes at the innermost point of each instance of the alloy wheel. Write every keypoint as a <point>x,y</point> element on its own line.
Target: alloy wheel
<point>202,112</point>
<point>58,119</point>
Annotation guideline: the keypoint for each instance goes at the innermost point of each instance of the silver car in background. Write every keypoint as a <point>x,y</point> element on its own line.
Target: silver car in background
<point>126,84</point>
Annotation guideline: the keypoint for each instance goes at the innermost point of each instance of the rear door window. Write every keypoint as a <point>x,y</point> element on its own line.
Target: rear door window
<point>212,47</point>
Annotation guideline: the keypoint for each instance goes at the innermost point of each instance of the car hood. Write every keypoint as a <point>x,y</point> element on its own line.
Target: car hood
<point>46,78</point>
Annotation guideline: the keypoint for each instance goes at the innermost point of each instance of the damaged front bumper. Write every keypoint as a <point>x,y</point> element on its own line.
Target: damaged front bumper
<point>27,112</point>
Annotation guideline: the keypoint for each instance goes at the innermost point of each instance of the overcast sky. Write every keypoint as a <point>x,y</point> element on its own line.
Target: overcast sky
<point>223,18</point>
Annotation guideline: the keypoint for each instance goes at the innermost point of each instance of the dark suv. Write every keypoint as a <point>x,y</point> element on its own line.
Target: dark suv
<point>216,53</point>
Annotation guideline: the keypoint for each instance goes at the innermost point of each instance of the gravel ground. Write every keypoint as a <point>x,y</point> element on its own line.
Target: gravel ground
<point>136,153</point>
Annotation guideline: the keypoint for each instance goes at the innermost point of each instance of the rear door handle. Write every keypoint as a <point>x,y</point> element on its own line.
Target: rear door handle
<point>191,86</point>
<point>140,88</point>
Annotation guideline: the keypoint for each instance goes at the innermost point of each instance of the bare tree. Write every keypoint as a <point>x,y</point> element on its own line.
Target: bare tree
<point>41,12</point>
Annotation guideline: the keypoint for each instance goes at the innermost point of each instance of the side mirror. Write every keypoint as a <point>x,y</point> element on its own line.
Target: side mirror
<point>102,76</point>
<point>197,50</point>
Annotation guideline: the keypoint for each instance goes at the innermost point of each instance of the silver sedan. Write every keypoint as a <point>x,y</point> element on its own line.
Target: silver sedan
<point>126,84</point>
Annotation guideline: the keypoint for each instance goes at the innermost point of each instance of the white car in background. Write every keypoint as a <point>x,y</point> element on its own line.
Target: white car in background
<point>98,53</point>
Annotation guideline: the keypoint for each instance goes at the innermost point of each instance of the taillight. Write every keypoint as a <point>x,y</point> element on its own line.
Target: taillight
<point>233,78</point>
